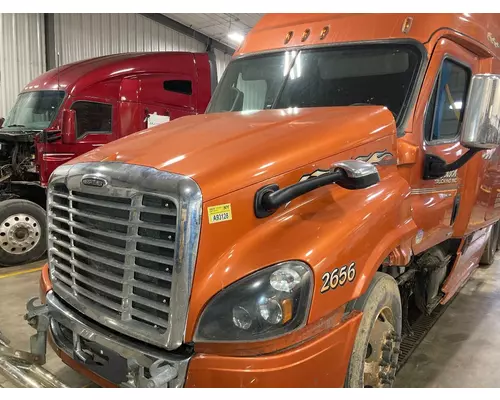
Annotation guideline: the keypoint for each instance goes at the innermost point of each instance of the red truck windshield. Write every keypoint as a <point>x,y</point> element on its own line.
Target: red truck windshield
<point>324,77</point>
<point>34,110</point>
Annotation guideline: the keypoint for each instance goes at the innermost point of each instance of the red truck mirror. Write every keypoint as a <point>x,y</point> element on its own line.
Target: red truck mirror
<point>68,127</point>
<point>2,120</point>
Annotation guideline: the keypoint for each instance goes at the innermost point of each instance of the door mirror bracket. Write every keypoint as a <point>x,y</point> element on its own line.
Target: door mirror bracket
<point>480,128</point>
<point>435,167</point>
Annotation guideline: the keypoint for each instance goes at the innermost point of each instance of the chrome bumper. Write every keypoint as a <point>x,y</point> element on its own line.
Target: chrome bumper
<point>105,352</point>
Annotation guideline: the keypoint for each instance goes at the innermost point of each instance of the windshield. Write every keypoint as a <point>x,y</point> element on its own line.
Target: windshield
<point>325,77</point>
<point>34,110</point>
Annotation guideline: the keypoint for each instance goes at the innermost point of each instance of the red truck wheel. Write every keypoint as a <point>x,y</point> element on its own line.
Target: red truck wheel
<point>23,230</point>
<point>374,358</point>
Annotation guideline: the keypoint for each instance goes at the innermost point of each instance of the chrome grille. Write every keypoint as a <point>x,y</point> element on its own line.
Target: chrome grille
<point>115,253</point>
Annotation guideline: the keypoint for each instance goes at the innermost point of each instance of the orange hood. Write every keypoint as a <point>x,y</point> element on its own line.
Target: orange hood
<point>228,151</point>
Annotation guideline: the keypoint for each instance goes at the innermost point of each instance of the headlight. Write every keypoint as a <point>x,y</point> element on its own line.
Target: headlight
<point>263,305</point>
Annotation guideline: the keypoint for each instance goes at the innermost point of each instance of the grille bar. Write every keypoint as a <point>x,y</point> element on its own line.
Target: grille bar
<point>87,267</point>
<point>87,254</point>
<point>148,317</point>
<point>90,297</point>
<point>118,236</point>
<point>152,288</point>
<point>116,205</point>
<point>140,224</point>
<point>150,303</point>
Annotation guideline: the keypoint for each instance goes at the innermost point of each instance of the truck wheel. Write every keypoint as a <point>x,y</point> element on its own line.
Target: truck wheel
<point>498,237</point>
<point>23,230</point>
<point>488,256</point>
<point>374,358</point>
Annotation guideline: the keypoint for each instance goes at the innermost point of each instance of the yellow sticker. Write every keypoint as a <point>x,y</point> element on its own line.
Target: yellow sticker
<point>219,213</point>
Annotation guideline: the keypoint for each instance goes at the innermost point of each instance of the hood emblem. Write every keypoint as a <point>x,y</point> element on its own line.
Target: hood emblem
<point>95,181</point>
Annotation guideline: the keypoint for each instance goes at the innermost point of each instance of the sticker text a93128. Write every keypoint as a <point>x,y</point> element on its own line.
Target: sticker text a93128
<point>219,213</point>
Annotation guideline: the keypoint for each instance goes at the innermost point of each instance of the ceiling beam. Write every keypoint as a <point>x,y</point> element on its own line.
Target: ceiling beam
<point>177,26</point>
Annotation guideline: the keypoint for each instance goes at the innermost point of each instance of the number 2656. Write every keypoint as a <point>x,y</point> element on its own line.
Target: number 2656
<point>338,277</point>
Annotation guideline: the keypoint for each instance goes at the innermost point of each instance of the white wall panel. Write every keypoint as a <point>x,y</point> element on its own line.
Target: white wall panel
<point>81,36</point>
<point>22,55</point>
<point>222,60</point>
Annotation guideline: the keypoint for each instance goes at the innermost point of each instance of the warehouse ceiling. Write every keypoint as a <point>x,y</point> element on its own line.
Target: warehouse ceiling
<point>219,26</point>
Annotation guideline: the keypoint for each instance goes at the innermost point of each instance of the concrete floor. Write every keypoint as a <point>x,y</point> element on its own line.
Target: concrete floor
<point>461,350</point>
<point>15,291</point>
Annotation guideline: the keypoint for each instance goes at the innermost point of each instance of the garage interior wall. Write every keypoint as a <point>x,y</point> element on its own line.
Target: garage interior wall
<point>77,37</point>
<point>22,54</point>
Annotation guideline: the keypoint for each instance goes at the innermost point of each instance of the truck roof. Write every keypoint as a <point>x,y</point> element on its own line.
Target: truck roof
<point>270,32</point>
<point>97,69</point>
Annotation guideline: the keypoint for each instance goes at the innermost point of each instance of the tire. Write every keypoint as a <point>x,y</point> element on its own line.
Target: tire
<point>488,256</point>
<point>498,240</point>
<point>23,232</point>
<point>376,347</point>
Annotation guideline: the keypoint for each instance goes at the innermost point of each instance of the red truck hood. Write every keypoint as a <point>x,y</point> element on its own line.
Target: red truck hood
<point>228,151</point>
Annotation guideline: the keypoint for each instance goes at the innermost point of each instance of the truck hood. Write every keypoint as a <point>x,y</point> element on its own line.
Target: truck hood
<point>228,151</point>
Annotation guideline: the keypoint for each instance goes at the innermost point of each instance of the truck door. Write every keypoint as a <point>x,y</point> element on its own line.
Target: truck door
<point>95,124</point>
<point>439,114</point>
<point>169,94</point>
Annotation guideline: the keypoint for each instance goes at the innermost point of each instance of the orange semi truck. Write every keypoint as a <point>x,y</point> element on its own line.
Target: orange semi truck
<point>343,180</point>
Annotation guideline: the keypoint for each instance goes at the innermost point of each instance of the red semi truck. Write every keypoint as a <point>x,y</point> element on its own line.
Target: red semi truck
<point>75,108</point>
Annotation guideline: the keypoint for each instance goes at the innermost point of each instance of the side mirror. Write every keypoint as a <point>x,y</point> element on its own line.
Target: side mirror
<point>481,123</point>
<point>349,174</point>
<point>68,132</point>
<point>2,120</point>
<point>480,127</point>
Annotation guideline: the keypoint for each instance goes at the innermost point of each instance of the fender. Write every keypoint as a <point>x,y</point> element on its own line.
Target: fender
<point>328,228</point>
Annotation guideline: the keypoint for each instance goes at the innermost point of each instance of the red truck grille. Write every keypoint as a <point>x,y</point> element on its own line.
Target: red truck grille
<point>115,254</point>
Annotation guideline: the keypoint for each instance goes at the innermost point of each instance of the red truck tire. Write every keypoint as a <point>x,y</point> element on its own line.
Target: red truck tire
<point>23,232</point>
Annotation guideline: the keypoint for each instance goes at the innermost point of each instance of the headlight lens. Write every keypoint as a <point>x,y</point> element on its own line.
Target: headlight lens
<point>263,305</point>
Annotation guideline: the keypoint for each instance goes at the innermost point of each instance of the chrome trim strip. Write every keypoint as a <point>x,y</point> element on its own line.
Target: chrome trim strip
<point>434,190</point>
<point>128,180</point>
<point>143,354</point>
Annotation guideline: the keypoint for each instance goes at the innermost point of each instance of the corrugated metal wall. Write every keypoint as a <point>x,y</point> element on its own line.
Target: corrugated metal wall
<point>22,54</point>
<point>221,60</point>
<point>80,36</point>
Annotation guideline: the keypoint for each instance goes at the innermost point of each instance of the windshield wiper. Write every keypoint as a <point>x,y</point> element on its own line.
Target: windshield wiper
<point>16,126</point>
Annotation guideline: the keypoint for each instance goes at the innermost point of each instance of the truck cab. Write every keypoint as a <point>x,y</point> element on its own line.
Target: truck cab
<point>341,184</point>
<point>75,108</point>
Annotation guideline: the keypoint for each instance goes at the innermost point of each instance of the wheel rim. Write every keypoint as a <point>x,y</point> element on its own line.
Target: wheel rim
<point>19,233</point>
<point>382,352</point>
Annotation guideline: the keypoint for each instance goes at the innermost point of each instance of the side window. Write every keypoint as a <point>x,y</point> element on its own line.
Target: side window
<point>179,86</point>
<point>445,112</point>
<point>92,118</point>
